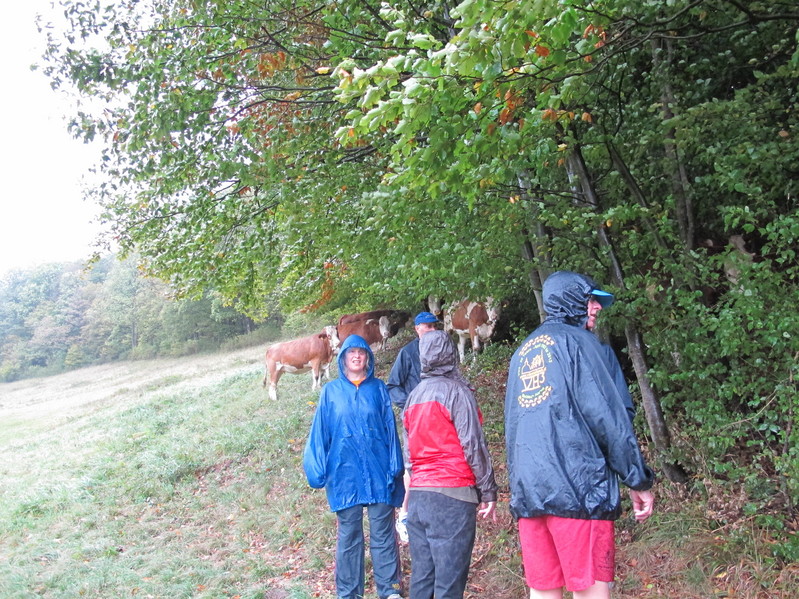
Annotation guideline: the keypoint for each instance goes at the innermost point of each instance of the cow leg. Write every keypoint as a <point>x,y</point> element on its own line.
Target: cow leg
<point>316,373</point>
<point>269,370</point>
<point>462,347</point>
<point>475,346</point>
<point>273,385</point>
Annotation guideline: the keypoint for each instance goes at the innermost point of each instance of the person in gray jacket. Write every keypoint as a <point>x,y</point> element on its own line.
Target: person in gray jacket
<point>570,442</point>
<point>452,478</point>
<point>406,373</point>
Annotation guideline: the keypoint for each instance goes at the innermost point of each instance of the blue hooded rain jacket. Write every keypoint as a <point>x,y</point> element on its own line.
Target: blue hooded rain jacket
<point>568,432</point>
<point>353,449</point>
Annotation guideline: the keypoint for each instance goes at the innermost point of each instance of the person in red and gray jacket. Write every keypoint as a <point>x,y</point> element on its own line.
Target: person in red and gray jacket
<point>451,472</point>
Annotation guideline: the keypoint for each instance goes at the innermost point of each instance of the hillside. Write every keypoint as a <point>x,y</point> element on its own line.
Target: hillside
<point>178,478</point>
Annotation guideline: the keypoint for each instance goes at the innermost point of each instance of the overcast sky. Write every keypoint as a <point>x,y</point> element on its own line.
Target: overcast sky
<point>43,217</point>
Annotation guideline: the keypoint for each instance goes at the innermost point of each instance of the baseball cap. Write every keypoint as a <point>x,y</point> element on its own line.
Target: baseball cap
<point>604,298</point>
<point>424,317</point>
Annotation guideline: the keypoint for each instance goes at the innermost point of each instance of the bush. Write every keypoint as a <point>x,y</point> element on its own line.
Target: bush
<point>263,335</point>
<point>298,325</point>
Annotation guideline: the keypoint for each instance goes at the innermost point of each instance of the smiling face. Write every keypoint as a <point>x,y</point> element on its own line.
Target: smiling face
<point>593,311</point>
<point>355,361</point>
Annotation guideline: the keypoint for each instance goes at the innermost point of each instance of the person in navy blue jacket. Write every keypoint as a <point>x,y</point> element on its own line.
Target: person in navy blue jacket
<point>403,378</point>
<point>407,369</point>
<point>354,453</point>
<point>570,443</point>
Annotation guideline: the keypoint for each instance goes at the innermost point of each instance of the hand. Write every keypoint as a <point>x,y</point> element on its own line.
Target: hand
<point>643,504</point>
<point>487,510</point>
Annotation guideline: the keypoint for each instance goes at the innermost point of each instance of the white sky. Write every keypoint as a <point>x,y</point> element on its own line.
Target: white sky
<point>43,216</point>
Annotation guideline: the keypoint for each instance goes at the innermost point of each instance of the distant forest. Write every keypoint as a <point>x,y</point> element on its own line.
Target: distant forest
<point>57,317</point>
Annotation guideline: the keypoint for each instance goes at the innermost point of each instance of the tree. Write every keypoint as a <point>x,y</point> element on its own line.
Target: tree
<point>30,334</point>
<point>60,316</point>
<point>345,152</point>
<point>534,100</point>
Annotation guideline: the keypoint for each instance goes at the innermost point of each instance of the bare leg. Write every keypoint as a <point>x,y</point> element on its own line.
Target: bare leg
<point>599,590</point>
<point>548,594</point>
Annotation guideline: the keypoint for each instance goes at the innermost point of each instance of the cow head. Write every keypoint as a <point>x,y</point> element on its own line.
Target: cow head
<point>434,305</point>
<point>331,332</point>
<point>492,312</point>
<point>493,309</point>
<point>398,319</point>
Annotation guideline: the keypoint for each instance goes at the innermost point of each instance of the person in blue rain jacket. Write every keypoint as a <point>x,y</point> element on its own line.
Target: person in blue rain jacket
<point>354,453</point>
<point>570,445</point>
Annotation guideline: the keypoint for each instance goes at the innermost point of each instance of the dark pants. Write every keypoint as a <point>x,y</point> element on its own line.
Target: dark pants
<point>350,551</point>
<point>441,532</point>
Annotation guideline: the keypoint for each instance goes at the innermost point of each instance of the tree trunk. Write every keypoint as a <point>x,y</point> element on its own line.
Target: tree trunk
<point>534,249</point>
<point>583,187</point>
<point>651,402</point>
<point>536,282</point>
<point>680,187</point>
<point>632,185</point>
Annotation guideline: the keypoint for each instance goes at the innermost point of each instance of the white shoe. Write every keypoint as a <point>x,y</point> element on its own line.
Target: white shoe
<point>394,596</point>
<point>402,531</point>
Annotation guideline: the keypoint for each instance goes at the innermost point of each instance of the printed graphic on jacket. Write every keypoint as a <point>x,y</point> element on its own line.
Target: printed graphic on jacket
<point>534,357</point>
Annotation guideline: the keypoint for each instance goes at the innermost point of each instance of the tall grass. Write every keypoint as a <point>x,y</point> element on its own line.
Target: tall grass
<point>169,486</point>
<point>185,493</point>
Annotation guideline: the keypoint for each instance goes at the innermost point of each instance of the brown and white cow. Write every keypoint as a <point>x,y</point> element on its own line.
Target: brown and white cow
<point>375,326</point>
<point>314,353</point>
<point>435,305</point>
<point>472,320</point>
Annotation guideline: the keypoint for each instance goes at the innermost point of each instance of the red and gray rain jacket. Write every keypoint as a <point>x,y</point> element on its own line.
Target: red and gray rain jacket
<point>445,445</point>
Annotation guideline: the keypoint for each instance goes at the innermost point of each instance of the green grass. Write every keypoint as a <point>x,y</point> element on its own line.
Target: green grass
<point>143,480</point>
<point>181,494</point>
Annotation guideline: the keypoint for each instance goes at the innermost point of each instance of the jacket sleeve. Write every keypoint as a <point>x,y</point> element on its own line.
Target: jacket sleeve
<point>605,413</point>
<point>314,459</point>
<point>394,447</point>
<point>467,421</point>
<point>397,380</point>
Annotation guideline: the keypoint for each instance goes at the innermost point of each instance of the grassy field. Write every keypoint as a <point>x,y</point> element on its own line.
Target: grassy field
<point>179,478</point>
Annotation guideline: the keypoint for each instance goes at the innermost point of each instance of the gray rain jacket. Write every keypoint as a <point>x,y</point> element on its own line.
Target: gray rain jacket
<point>568,433</point>
<point>445,443</point>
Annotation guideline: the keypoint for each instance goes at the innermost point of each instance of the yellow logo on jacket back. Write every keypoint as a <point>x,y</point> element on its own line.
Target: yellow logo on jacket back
<point>534,356</point>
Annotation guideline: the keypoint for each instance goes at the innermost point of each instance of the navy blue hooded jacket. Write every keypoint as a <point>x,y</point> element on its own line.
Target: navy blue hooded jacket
<point>406,373</point>
<point>569,436</point>
<point>353,449</point>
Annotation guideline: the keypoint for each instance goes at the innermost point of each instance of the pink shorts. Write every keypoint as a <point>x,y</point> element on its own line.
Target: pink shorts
<point>568,552</point>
